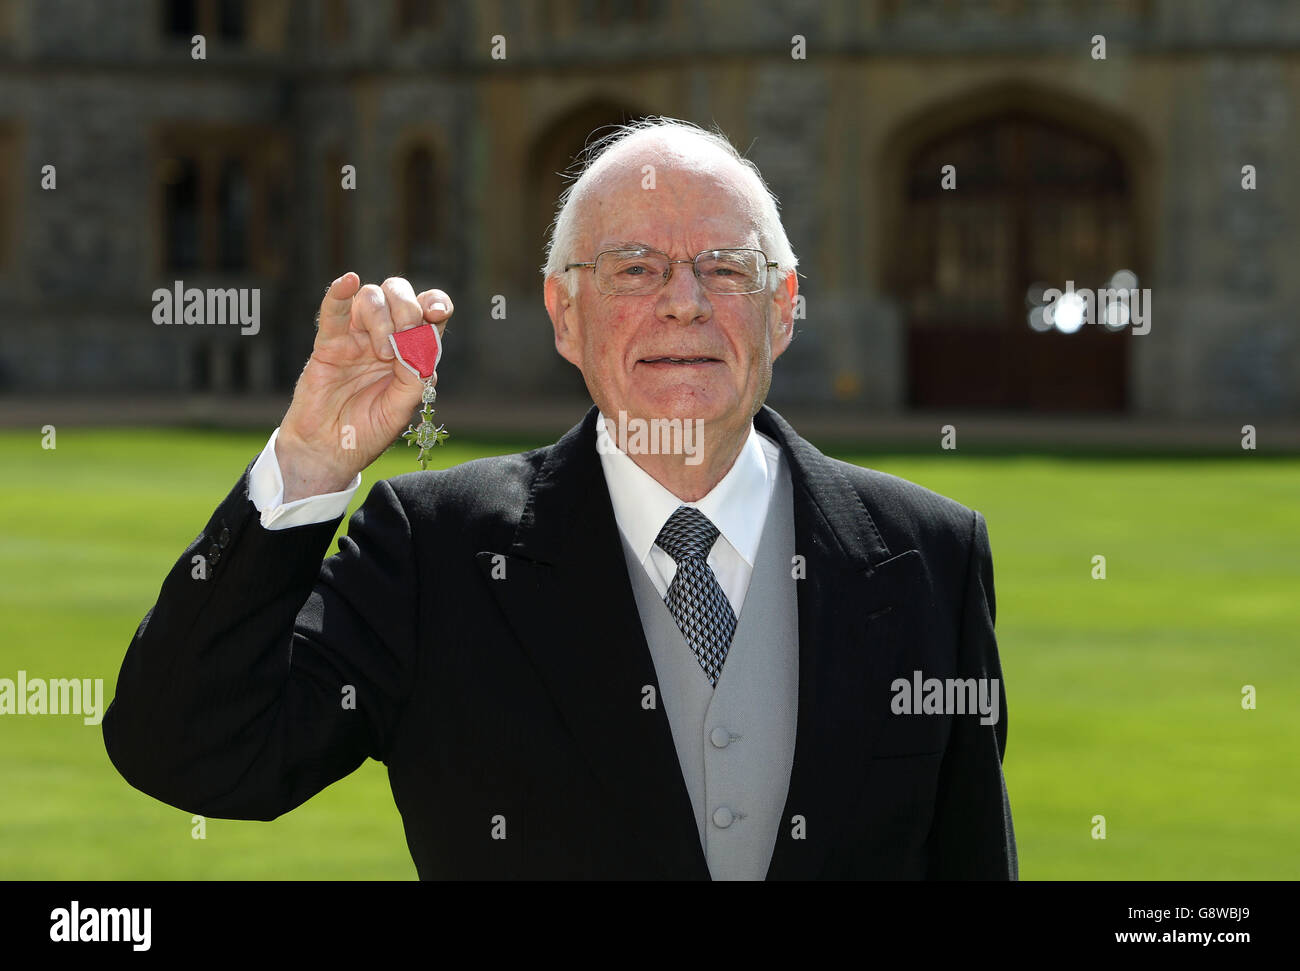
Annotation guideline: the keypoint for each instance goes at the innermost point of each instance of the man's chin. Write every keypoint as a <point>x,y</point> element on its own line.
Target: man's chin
<point>683,407</point>
<point>680,400</point>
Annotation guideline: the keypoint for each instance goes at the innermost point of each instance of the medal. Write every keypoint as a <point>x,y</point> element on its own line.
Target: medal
<point>420,350</point>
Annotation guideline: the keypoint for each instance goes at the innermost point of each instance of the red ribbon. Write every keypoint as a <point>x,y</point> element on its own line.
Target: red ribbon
<point>418,348</point>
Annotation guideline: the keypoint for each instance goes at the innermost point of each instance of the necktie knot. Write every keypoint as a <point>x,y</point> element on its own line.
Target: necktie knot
<point>688,533</point>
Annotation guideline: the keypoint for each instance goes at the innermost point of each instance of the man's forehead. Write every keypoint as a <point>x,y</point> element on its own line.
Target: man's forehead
<point>647,172</point>
<point>708,213</point>
<point>698,240</point>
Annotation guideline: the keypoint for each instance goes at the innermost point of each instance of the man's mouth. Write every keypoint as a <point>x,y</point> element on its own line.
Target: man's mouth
<point>679,360</point>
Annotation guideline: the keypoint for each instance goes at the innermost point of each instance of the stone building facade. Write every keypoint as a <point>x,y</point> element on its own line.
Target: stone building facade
<point>424,139</point>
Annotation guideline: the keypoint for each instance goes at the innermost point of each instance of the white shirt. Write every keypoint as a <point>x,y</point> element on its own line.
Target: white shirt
<point>266,490</point>
<point>737,505</point>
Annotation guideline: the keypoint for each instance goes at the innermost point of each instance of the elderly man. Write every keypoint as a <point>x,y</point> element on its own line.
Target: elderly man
<point>603,658</point>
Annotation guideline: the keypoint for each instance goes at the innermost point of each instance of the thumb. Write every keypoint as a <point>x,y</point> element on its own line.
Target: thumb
<point>407,383</point>
<point>407,388</point>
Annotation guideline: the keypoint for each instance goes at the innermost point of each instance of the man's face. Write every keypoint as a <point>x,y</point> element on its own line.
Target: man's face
<point>622,343</point>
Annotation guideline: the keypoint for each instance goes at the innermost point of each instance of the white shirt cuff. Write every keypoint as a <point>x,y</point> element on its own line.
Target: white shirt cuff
<point>266,490</point>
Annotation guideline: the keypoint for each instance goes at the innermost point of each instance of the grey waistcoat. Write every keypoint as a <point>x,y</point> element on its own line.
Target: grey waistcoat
<point>735,743</point>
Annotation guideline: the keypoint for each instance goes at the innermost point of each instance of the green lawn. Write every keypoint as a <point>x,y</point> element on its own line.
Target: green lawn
<point>1124,693</point>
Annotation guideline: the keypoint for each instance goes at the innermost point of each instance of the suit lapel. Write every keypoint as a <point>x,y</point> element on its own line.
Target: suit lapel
<point>847,645</point>
<point>568,598</point>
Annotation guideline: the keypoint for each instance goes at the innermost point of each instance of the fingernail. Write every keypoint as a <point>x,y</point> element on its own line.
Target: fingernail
<point>439,306</point>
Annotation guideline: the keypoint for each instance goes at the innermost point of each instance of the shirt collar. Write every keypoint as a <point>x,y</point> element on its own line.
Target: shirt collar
<point>737,505</point>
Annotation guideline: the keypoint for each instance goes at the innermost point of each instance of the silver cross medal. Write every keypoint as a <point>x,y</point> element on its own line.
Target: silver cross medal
<point>419,349</point>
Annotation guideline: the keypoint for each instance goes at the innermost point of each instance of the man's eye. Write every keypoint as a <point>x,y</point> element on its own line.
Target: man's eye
<point>724,269</point>
<point>634,269</point>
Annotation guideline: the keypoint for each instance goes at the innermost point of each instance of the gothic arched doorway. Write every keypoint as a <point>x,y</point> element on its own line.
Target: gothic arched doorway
<point>1035,202</point>
<point>554,155</point>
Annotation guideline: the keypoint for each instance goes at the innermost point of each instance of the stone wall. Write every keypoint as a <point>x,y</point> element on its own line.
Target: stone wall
<point>1189,92</point>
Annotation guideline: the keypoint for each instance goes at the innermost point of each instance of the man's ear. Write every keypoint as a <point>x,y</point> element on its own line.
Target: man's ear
<point>781,331</point>
<point>563,310</point>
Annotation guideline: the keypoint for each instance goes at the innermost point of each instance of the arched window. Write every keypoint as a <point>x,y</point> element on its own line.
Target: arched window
<point>233,204</point>
<point>180,180</point>
<point>338,213</point>
<point>226,19</point>
<point>418,211</point>
<point>417,15</point>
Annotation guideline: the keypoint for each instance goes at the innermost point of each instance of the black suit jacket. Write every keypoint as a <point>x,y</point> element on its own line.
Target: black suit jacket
<point>482,621</point>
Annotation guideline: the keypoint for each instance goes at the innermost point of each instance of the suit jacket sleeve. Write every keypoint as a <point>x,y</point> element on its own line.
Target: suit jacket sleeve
<point>972,836</point>
<point>247,690</point>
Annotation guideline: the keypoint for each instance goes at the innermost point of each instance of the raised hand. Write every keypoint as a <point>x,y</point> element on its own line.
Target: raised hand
<point>353,379</point>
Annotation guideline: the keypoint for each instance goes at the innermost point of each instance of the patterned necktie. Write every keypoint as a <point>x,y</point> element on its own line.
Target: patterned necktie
<point>696,601</point>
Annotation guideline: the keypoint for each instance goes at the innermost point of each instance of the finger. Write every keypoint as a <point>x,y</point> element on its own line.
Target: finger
<point>403,308</point>
<point>437,308</point>
<point>336,308</point>
<point>372,318</point>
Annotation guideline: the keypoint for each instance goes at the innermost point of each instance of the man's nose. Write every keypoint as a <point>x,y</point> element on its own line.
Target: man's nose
<point>683,298</point>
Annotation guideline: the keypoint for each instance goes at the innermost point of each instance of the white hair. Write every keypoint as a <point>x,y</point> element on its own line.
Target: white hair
<point>683,136</point>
